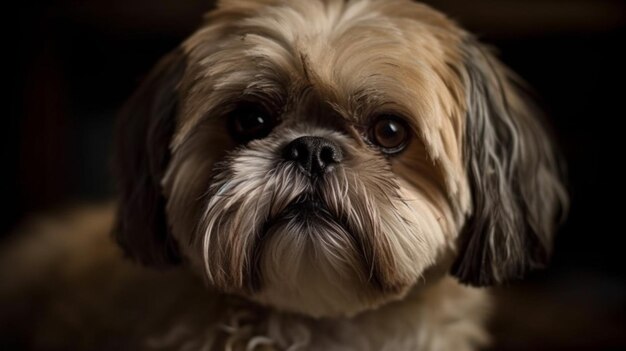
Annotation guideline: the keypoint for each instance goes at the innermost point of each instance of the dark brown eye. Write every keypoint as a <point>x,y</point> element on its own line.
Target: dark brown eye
<point>249,121</point>
<point>390,133</point>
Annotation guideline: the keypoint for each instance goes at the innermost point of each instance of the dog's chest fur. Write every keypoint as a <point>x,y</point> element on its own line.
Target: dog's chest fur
<point>87,297</point>
<point>446,317</point>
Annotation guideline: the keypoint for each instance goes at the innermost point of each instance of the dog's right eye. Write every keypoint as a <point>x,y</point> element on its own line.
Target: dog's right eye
<point>249,121</point>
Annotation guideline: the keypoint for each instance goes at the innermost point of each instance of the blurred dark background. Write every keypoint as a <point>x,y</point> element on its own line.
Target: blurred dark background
<point>72,63</point>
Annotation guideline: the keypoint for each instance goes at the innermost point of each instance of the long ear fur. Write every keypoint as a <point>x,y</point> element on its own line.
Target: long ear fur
<point>144,132</point>
<point>514,176</point>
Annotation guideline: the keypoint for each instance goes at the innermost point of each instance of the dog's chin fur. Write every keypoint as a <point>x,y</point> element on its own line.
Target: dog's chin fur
<point>367,246</point>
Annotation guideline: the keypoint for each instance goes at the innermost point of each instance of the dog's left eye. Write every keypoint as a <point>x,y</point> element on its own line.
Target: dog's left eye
<point>390,134</point>
<point>248,122</point>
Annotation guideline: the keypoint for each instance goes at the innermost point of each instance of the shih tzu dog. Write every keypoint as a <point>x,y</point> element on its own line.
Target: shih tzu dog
<point>321,175</point>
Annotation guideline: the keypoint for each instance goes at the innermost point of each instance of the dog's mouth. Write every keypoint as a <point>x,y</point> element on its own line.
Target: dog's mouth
<point>305,205</point>
<point>305,209</point>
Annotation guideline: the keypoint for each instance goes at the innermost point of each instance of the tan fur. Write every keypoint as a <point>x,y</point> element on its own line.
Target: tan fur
<point>321,60</point>
<point>371,272</point>
<point>71,289</point>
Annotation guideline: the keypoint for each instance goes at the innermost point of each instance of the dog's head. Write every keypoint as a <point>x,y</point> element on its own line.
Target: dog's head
<point>319,156</point>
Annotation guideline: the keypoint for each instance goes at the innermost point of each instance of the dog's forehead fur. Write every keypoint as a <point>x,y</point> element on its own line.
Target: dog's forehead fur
<point>360,58</point>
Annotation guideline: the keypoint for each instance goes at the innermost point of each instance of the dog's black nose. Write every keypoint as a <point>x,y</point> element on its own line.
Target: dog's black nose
<point>316,155</point>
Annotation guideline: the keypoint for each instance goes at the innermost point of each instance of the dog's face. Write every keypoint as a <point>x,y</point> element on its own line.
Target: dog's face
<point>321,156</point>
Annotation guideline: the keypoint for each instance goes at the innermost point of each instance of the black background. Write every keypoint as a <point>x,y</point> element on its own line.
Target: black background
<point>73,63</point>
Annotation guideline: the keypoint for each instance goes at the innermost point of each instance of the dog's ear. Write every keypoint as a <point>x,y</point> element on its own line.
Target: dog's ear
<point>514,176</point>
<point>143,135</point>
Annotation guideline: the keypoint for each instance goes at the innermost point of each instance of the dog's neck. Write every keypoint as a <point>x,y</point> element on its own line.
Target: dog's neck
<point>441,315</point>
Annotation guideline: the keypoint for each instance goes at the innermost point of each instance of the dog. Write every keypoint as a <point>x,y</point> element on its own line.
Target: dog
<point>303,175</point>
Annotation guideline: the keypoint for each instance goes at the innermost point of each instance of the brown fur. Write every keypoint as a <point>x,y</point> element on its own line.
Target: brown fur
<point>476,192</point>
<point>71,289</point>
